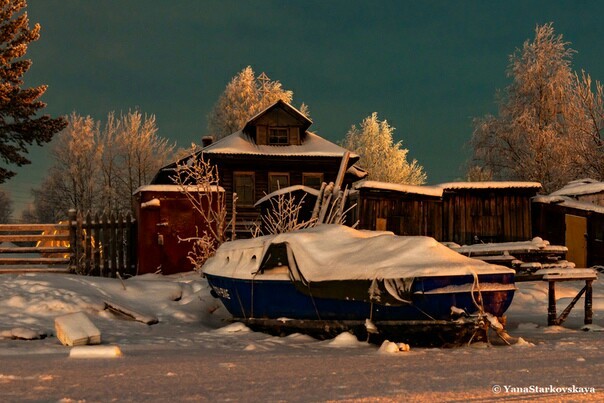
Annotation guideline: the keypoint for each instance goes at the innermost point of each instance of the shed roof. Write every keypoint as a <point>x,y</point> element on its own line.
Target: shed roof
<point>569,202</point>
<point>490,185</point>
<point>434,191</point>
<point>580,187</point>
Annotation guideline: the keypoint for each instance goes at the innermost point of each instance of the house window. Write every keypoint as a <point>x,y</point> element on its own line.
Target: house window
<point>277,181</point>
<point>245,188</point>
<point>312,180</point>
<point>278,136</point>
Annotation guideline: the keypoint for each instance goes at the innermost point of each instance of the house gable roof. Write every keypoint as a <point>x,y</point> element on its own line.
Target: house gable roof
<point>287,108</point>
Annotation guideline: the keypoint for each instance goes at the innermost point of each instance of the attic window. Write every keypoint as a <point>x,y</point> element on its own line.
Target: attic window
<point>278,136</point>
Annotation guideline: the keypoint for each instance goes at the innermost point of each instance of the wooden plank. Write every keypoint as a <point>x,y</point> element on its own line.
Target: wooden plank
<point>105,244</point>
<point>33,260</point>
<point>34,249</point>
<point>36,269</point>
<point>96,233</point>
<point>88,245</point>
<point>33,238</point>
<point>33,227</point>
<point>113,230</point>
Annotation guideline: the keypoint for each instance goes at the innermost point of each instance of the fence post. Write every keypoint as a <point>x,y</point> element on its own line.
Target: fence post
<point>120,243</point>
<point>88,244</point>
<point>72,216</point>
<point>131,246</point>
<point>113,227</point>
<point>105,246</point>
<point>96,233</point>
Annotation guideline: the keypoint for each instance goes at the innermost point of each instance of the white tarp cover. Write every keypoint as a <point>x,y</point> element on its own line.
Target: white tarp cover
<point>334,252</point>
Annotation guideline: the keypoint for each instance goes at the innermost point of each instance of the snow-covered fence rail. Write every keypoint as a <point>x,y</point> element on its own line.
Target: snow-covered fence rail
<point>103,245</point>
<point>34,247</point>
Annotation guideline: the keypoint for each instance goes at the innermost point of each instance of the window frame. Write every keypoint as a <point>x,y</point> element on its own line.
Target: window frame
<point>278,136</point>
<point>313,175</point>
<point>249,174</point>
<point>280,186</point>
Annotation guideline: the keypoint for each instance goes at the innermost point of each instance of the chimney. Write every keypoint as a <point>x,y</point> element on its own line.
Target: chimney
<point>206,141</point>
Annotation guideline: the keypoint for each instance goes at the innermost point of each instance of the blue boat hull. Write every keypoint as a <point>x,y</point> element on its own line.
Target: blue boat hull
<point>273,299</point>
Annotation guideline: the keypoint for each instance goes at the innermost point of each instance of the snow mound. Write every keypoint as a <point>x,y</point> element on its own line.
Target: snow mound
<point>236,327</point>
<point>345,340</point>
<point>389,347</point>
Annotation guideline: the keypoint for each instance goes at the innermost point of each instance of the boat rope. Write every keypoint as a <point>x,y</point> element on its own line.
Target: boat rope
<point>240,303</point>
<point>313,301</point>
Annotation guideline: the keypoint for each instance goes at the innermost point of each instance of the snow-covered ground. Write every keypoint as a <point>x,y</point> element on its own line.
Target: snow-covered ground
<point>193,329</point>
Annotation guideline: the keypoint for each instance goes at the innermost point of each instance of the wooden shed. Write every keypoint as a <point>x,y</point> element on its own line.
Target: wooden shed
<point>578,225</point>
<point>165,217</point>
<point>475,212</point>
<point>402,209</point>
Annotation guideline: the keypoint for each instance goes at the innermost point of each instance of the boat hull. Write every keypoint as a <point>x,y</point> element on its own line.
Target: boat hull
<point>431,299</point>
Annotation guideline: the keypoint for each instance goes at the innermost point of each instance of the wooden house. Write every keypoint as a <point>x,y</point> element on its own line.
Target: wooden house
<point>273,150</point>
<point>573,216</point>
<point>460,212</point>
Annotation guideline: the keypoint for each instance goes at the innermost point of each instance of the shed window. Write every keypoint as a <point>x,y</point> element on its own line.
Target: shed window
<point>277,181</point>
<point>312,180</point>
<point>278,136</point>
<point>245,188</point>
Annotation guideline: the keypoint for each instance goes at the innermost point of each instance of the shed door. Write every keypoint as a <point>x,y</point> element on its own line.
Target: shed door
<point>576,242</point>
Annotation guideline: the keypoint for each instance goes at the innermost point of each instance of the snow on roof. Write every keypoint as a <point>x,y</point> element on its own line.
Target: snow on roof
<point>286,190</point>
<point>490,185</point>
<point>569,202</point>
<point>174,188</point>
<point>411,189</point>
<point>335,252</point>
<point>580,187</point>
<point>241,143</point>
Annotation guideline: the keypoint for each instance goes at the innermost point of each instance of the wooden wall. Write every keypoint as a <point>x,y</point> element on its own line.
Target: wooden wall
<point>548,222</point>
<point>477,215</point>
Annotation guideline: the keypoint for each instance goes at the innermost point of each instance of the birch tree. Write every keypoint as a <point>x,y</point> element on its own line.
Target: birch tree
<point>385,160</point>
<point>532,136</point>
<point>245,96</point>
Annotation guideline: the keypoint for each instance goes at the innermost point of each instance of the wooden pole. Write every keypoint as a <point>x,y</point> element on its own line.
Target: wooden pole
<point>551,310</point>
<point>73,238</point>
<point>588,302</point>
<point>113,229</point>
<point>97,253</point>
<point>88,244</point>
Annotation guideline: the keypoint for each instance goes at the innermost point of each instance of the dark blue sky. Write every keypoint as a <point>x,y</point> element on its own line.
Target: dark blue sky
<point>426,67</point>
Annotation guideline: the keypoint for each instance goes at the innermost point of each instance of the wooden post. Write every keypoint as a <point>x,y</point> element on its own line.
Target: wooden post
<point>551,310</point>
<point>131,245</point>
<point>120,244</point>
<point>105,244</point>
<point>342,170</point>
<point>588,302</point>
<point>113,227</point>
<point>88,245</point>
<point>80,241</point>
<point>233,217</point>
<point>72,216</point>
<point>97,253</point>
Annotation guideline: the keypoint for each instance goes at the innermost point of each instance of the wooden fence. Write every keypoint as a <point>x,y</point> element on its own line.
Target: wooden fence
<point>99,245</point>
<point>103,245</point>
<point>34,247</point>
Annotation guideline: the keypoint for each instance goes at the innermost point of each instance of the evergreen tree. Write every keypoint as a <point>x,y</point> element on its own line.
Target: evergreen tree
<point>20,126</point>
<point>6,207</point>
<point>385,160</point>
<point>245,96</point>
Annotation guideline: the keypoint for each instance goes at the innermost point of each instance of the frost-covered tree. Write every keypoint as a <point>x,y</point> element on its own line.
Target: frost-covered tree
<point>244,97</point>
<point>20,124</point>
<point>137,152</point>
<point>6,207</point>
<point>384,160</point>
<point>98,168</point>
<point>589,146</point>
<point>532,136</point>
<point>73,179</point>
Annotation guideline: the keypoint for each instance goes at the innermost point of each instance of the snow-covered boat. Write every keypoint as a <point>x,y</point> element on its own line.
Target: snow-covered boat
<point>332,277</point>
